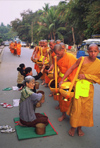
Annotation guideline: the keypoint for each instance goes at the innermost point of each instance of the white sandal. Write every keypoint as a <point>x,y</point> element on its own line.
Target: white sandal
<point>7,106</point>
<point>5,127</point>
<point>11,130</point>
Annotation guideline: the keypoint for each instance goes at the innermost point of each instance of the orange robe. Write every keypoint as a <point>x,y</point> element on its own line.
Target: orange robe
<point>18,49</point>
<point>37,66</point>
<point>53,54</point>
<point>33,56</point>
<point>36,55</point>
<point>12,47</point>
<point>45,53</point>
<point>81,110</point>
<point>15,48</point>
<point>64,64</point>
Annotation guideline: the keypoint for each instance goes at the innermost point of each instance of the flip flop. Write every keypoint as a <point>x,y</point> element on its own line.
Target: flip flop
<point>11,130</point>
<point>7,106</point>
<point>7,89</point>
<point>4,127</point>
<point>2,104</point>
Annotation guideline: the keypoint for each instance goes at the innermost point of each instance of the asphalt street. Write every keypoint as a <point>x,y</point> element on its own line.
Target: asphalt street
<point>8,78</point>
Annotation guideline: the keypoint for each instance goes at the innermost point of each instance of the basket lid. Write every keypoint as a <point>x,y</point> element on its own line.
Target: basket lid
<point>65,85</point>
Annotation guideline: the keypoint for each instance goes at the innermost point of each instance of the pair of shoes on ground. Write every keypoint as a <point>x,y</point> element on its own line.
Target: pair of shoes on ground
<point>5,105</point>
<point>6,129</point>
<point>7,89</point>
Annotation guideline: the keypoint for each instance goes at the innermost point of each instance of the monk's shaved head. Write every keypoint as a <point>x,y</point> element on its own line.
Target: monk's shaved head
<point>57,47</point>
<point>93,45</point>
<point>52,41</point>
<point>62,45</point>
<point>58,41</point>
<point>45,40</point>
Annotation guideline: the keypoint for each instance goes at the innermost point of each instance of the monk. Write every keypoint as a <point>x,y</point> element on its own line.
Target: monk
<point>46,59</point>
<point>64,62</point>
<point>52,43</point>
<point>41,56</point>
<point>12,47</point>
<point>81,107</point>
<point>15,48</point>
<point>58,41</point>
<point>18,49</point>
<point>36,56</point>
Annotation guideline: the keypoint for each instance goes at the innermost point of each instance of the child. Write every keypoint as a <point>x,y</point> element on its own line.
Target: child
<point>81,107</point>
<point>21,75</point>
<point>28,72</point>
<point>28,101</point>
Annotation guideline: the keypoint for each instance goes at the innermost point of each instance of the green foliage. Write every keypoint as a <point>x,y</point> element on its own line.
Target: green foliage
<point>6,32</point>
<point>57,22</point>
<point>93,19</point>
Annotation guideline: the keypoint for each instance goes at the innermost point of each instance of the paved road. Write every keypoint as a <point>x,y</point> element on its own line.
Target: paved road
<point>8,76</point>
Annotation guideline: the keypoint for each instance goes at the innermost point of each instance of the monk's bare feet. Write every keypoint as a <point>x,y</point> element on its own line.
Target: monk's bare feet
<point>50,95</point>
<point>62,117</point>
<point>43,83</point>
<point>46,85</point>
<point>72,131</point>
<point>80,132</point>
<point>57,107</point>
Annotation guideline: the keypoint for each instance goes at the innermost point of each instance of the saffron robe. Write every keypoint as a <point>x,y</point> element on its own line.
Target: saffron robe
<point>18,49</point>
<point>12,47</point>
<point>64,64</point>
<point>81,110</point>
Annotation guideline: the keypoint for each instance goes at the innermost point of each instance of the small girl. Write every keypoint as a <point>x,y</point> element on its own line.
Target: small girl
<point>21,75</point>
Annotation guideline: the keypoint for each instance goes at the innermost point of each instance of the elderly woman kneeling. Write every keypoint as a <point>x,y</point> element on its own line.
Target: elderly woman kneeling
<point>27,104</point>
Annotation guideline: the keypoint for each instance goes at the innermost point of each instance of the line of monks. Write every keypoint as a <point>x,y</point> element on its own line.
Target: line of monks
<point>15,48</point>
<point>44,55</point>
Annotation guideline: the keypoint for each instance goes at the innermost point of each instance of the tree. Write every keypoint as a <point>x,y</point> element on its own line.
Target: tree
<point>6,32</point>
<point>93,19</point>
<point>50,25</point>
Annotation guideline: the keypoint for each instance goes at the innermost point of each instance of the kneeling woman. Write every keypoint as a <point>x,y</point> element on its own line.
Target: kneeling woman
<point>28,101</point>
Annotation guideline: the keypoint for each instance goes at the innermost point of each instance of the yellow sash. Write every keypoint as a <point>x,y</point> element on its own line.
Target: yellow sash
<point>62,75</point>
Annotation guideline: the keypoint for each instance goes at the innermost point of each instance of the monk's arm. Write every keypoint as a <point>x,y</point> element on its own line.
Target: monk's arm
<point>51,67</point>
<point>94,78</point>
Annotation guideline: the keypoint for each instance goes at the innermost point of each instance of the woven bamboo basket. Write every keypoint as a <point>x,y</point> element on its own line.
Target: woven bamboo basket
<point>40,128</point>
<point>64,90</point>
<point>43,96</point>
<point>34,60</point>
<point>50,75</point>
<point>37,85</point>
<point>56,96</point>
<point>38,104</point>
<point>52,86</point>
<point>39,63</point>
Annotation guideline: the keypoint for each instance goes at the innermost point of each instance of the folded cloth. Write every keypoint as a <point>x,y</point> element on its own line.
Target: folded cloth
<point>82,88</point>
<point>16,102</point>
<point>15,88</point>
